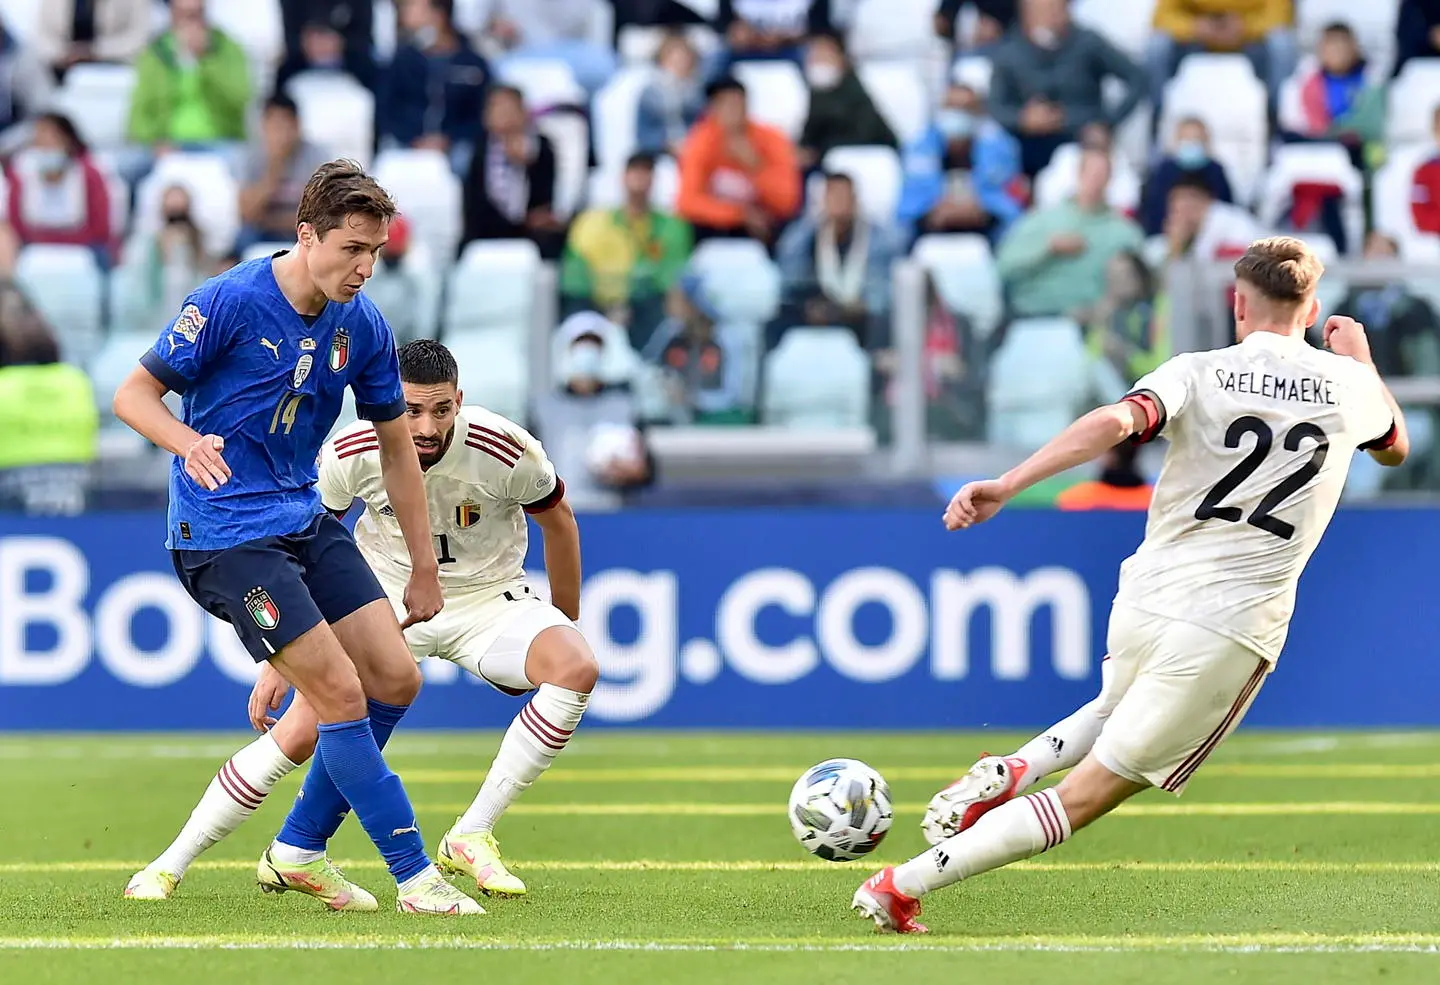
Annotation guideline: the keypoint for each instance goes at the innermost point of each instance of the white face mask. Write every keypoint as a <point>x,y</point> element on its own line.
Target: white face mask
<point>1045,37</point>
<point>426,36</point>
<point>584,362</point>
<point>49,160</point>
<point>824,76</point>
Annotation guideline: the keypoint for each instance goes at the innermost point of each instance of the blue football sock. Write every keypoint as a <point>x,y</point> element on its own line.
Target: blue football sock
<point>360,774</point>
<point>320,808</point>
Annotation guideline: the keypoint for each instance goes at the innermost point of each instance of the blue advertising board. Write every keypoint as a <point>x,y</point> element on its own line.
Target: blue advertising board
<point>799,618</point>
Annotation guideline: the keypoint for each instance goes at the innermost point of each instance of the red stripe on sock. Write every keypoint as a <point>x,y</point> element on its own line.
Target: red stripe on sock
<point>1053,809</point>
<point>235,795</point>
<point>539,732</point>
<point>1044,820</point>
<point>240,780</point>
<point>557,731</point>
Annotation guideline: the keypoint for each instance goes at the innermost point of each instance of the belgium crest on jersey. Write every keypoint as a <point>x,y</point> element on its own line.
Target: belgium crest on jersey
<point>467,515</point>
<point>339,350</point>
<point>262,608</point>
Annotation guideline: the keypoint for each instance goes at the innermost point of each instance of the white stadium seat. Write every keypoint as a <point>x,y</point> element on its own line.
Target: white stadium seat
<point>428,193</point>
<point>1390,203</point>
<point>614,114</point>
<point>114,361</point>
<point>1413,98</point>
<point>963,269</point>
<point>67,287</point>
<point>257,27</point>
<point>816,378</point>
<point>973,71</point>
<point>494,372</point>
<point>1222,90</point>
<point>1126,23</point>
<point>1318,163</point>
<point>336,112</point>
<point>777,94</point>
<point>900,29</point>
<point>569,135</point>
<point>545,82</point>
<point>638,45</point>
<point>899,93</point>
<point>1058,180</point>
<point>97,99</point>
<point>1039,380</point>
<point>492,289</point>
<point>214,197</point>
<point>740,278</point>
<point>22,18</point>
<point>877,174</point>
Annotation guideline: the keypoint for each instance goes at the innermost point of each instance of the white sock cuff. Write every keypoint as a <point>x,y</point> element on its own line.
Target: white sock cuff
<point>552,714</point>
<point>261,764</point>
<point>1054,822</point>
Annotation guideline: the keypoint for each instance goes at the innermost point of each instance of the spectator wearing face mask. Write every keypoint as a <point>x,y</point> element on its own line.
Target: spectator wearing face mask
<point>673,100</point>
<point>1048,81</point>
<point>842,114</point>
<point>158,270</point>
<point>962,174</point>
<point>588,421</point>
<point>57,194</point>
<point>433,95</point>
<point>1189,156</point>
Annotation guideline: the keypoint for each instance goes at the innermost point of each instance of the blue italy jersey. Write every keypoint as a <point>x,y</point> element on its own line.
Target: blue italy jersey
<point>253,371</point>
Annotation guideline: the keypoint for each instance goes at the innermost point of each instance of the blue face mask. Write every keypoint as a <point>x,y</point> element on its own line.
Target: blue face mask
<point>1191,155</point>
<point>955,124</point>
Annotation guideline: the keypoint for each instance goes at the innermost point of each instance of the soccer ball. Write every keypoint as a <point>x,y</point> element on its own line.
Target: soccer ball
<point>840,810</point>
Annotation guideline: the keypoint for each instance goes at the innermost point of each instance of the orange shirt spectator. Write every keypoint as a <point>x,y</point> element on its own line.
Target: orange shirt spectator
<point>1119,487</point>
<point>737,177</point>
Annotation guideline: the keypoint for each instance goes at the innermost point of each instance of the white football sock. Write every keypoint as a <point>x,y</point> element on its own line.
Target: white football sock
<point>1061,746</point>
<point>418,879</point>
<point>235,793</point>
<point>1019,829</point>
<point>532,742</point>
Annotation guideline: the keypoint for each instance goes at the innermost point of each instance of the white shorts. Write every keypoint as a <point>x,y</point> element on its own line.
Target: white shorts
<point>1172,692</point>
<point>487,633</point>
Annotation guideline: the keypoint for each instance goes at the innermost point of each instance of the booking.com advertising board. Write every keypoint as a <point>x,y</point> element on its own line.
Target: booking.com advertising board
<point>750,619</point>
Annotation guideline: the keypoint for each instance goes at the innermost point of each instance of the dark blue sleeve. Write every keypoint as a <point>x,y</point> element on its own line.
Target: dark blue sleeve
<point>378,396</point>
<point>194,340</point>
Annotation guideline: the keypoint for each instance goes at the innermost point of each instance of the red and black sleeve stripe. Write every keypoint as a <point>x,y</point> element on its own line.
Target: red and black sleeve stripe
<point>1155,417</point>
<point>1385,440</point>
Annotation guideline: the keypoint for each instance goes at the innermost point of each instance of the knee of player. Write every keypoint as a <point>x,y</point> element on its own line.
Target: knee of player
<point>340,700</point>
<point>561,657</point>
<point>400,684</point>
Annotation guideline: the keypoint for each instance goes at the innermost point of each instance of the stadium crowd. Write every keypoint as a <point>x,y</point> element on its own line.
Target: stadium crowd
<point>722,187</point>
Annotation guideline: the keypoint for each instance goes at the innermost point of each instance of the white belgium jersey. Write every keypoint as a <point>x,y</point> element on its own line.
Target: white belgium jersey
<point>479,491</point>
<point>1261,437</point>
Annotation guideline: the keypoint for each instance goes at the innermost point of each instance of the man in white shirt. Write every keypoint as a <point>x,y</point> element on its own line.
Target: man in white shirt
<point>483,475</point>
<point>1261,435</point>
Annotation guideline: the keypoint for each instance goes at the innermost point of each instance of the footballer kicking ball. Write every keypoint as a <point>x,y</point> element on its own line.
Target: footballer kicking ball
<point>840,810</point>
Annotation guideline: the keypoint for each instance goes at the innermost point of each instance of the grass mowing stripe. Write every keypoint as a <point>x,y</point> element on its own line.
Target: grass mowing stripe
<point>786,865</point>
<point>692,809</point>
<point>1232,943</point>
<point>787,774</point>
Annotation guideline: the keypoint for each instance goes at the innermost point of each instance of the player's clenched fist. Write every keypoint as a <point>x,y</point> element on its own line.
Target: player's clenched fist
<point>1346,337</point>
<point>423,598</point>
<point>975,503</point>
<point>205,464</point>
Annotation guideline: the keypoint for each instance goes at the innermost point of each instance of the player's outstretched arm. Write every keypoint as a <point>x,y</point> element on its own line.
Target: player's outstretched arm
<point>1346,337</point>
<point>140,403</point>
<point>404,484</point>
<point>1084,440</point>
<point>562,556</point>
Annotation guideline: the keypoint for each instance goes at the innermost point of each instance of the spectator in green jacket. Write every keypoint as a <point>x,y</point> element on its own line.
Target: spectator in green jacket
<point>1053,261</point>
<point>842,114</point>
<point>192,84</point>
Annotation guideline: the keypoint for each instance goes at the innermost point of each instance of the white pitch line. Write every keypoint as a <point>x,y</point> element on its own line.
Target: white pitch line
<point>693,809</point>
<point>1227,944</point>
<point>786,865</point>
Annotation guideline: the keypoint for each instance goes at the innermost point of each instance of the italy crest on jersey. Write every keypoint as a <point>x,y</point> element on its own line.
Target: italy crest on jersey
<point>339,350</point>
<point>262,608</point>
<point>467,515</point>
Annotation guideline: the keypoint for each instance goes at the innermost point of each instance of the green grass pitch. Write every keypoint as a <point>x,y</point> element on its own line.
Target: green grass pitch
<point>666,858</point>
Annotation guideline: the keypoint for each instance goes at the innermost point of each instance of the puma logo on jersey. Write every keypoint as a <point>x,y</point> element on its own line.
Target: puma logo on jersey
<point>403,831</point>
<point>274,347</point>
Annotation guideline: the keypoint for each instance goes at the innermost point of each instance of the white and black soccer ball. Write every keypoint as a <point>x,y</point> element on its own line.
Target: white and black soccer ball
<point>840,810</point>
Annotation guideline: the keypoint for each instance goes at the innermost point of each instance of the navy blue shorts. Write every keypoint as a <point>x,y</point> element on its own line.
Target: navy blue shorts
<point>275,589</point>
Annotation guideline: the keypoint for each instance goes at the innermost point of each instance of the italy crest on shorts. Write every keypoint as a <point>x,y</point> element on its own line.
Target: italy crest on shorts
<point>467,515</point>
<point>262,608</point>
<point>339,350</point>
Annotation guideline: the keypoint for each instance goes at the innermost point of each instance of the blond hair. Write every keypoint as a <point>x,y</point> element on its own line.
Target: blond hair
<point>1282,268</point>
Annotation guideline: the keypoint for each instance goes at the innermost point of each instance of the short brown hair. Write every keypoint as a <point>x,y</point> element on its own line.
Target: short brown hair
<point>340,189</point>
<point>1281,268</point>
